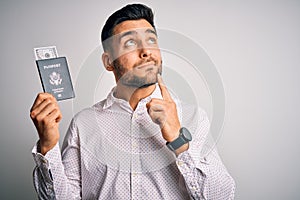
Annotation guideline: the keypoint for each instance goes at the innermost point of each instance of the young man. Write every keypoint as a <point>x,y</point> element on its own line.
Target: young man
<point>140,142</point>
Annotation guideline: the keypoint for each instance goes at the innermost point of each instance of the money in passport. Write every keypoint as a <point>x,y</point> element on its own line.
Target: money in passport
<point>54,73</point>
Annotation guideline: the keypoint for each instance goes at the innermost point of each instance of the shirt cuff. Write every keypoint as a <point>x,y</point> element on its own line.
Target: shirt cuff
<point>42,162</point>
<point>41,159</point>
<point>192,174</point>
<point>186,164</point>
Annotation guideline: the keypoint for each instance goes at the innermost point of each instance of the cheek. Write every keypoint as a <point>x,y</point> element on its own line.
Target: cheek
<point>156,54</point>
<point>128,60</point>
<point>158,59</point>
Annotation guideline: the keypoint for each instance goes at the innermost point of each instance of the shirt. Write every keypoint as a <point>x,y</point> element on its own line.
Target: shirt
<point>113,152</point>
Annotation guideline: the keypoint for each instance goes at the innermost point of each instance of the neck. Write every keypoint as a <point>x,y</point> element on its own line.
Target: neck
<point>132,94</point>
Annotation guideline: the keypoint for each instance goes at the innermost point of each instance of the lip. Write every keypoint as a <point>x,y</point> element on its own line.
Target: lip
<point>148,64</point>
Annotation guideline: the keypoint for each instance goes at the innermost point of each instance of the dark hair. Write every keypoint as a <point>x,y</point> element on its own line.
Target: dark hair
<point>129,12</point>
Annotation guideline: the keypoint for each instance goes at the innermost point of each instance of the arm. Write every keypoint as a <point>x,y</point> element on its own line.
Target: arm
<point>54,177</point>
<point>205,177</point>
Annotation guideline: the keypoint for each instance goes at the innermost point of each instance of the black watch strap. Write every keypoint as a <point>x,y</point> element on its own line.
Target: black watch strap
<point>183,138</point>
<point>176,143</point>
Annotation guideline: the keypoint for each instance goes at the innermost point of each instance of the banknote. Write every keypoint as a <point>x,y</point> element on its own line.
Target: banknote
<point>43,53</point>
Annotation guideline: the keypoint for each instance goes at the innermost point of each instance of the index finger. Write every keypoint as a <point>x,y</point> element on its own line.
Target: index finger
<point>39,99</point>
<point>164,91</point>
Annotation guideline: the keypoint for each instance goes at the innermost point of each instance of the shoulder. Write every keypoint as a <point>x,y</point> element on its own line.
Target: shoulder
<point>192,112</point>
<point>89,112</point>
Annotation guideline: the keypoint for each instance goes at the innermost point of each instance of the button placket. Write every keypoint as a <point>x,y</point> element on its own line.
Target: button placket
<point>135,182</point>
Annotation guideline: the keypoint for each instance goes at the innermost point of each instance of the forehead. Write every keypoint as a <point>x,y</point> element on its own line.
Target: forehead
<point>132,25</point>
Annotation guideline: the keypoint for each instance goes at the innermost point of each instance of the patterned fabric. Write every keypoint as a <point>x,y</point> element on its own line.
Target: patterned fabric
<point>113,152</point>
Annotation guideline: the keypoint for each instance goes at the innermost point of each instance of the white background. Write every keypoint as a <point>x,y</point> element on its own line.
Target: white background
<point>255,45</point>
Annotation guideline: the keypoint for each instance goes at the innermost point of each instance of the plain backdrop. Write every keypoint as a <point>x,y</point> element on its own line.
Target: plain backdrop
<point>255,46</point>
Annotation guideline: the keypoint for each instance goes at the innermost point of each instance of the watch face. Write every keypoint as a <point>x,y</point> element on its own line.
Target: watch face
<point>186,134</point>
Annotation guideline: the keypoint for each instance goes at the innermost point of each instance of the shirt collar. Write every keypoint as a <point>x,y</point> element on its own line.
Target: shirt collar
<point>111,99</point>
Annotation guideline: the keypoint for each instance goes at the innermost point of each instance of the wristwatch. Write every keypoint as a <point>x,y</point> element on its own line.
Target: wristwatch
<point>184,137</point>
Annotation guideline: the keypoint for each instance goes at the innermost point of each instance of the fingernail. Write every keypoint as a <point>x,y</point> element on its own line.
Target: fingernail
<point>159,77</point>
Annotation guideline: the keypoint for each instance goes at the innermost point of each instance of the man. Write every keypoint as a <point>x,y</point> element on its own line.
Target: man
<point>132,145</point>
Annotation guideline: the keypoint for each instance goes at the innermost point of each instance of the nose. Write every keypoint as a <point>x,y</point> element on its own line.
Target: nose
<point>145,52</point>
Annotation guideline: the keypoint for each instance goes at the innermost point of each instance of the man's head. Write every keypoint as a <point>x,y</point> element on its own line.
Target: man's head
<point>130,46</point>
<point>129,12</point>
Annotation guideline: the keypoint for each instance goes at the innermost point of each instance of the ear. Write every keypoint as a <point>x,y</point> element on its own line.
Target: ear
<point>106,61</point>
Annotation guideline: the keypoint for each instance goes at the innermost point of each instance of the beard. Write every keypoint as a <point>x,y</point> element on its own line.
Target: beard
<point>132,78</point>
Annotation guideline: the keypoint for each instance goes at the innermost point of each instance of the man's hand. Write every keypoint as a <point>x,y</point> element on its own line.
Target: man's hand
<point>164,113</point>
<point>46,116</point>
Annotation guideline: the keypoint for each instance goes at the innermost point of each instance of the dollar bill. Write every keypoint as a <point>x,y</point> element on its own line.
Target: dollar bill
<point>43,53</point>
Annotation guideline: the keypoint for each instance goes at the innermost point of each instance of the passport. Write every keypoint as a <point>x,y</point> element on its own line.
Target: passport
<point>55,77</point>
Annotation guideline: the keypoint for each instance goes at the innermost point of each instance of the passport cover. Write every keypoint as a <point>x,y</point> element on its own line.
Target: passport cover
<point>55,77</point>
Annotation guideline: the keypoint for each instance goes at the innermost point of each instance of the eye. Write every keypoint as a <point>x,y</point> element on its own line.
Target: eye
<point>130,43</point>
<point>152,40</point>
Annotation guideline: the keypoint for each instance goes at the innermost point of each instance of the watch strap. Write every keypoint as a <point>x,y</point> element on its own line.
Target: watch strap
<point>178,142</point>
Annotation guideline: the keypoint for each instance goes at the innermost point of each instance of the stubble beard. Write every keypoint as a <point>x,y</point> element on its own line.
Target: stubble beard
<point>130,79</point>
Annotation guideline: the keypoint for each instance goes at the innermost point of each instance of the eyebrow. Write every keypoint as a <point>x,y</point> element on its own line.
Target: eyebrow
<point>127,33</point>
<point>135,32</point>
<point>151,31</point>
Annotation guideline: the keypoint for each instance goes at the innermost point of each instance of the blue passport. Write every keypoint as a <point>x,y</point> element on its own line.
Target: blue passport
<point>55,77</point>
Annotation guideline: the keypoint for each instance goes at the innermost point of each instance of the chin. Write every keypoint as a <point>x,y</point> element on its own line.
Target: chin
<point>139,82</point>
<point>147,85</point>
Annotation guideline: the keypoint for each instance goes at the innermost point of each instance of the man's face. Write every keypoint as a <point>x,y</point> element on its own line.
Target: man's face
<point>135,53</point>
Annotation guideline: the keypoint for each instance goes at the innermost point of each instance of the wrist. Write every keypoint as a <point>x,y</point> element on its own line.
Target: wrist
<point>182,149</point>
<point>43,147</point>
<point>173,137</point>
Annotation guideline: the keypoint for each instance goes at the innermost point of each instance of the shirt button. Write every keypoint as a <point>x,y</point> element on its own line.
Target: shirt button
<point>180,163</point>
<point>194,188</point>
<point>134,145</point>
<point>134,116</point>
<point>134,174</point>
<point>44,161</point>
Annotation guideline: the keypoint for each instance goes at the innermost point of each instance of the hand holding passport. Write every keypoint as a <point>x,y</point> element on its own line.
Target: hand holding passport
<point>54,73</point>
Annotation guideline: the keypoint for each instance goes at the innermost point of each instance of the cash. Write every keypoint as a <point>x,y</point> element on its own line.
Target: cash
<point>43,53</point>
<point>54,73</point>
